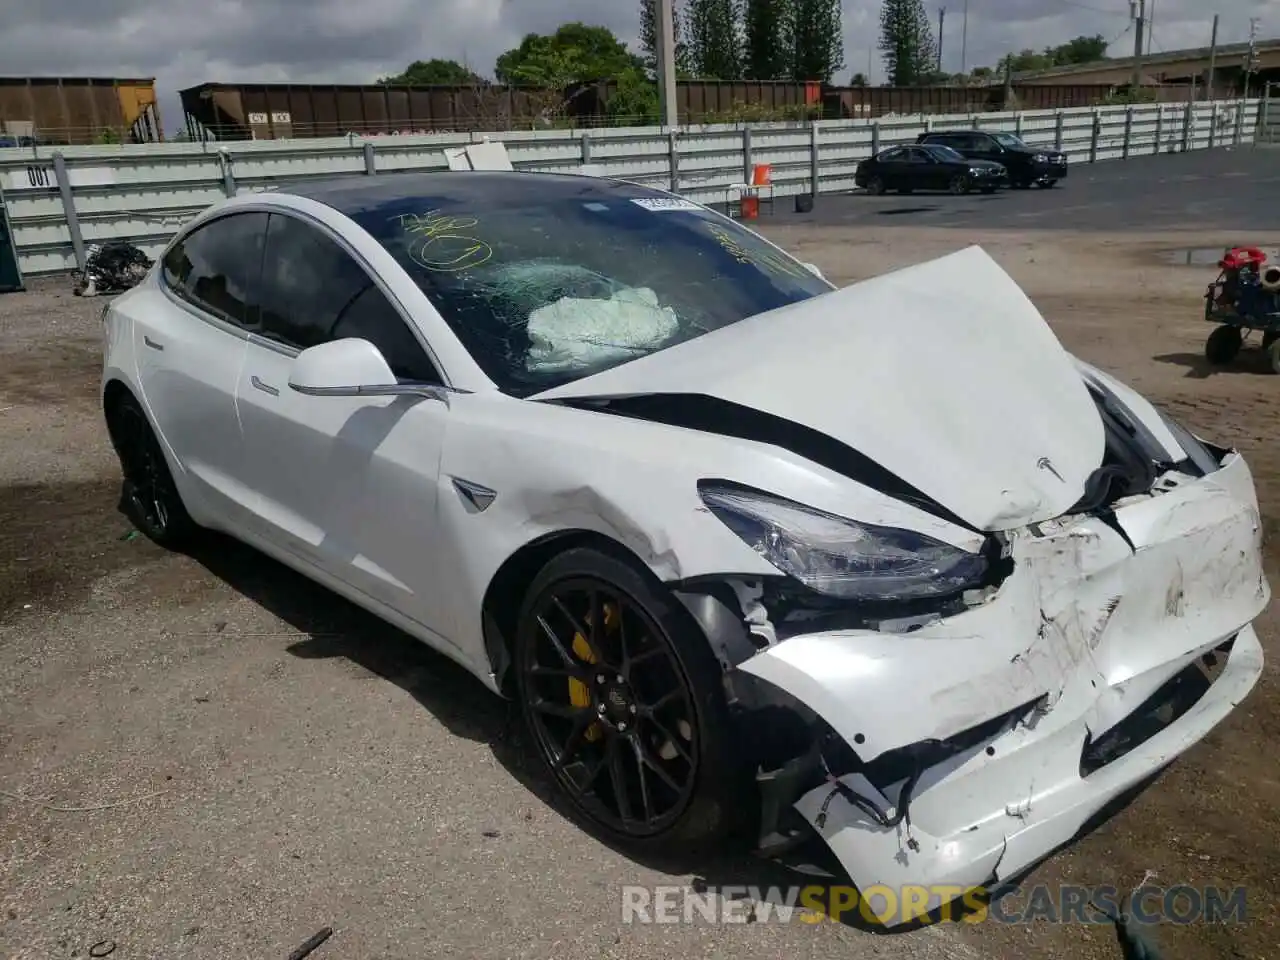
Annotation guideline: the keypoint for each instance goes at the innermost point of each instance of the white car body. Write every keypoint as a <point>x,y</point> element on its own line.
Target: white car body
<point>411,506</point>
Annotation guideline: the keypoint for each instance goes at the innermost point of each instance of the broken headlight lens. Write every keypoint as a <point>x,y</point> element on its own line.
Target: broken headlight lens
<point>841,558</point>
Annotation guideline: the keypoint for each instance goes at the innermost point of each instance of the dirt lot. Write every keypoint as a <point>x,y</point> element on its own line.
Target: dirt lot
<point>210,757</point>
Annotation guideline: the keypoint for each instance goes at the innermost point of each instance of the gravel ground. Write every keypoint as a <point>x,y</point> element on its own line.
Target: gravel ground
<point>263,760</point>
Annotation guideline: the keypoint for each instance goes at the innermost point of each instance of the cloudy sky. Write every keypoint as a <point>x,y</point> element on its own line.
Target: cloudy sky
<point>185,42</point>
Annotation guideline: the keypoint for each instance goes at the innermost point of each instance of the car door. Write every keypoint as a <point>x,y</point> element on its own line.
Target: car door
<point>892,167</point>
<point>348,484</point>
<point>982,146</point>
<point>190,342</point>
<point>927,172</point>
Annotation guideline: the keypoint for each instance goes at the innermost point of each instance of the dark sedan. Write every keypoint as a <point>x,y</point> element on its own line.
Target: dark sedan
<point>1026,165</point>
<point>927,167</point>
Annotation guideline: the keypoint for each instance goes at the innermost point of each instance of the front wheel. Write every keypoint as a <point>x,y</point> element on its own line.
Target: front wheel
<point>1048,184</point>
<point>624,701</point>
<point>959,184</point>
<point>1223,345</point>
<point>876,186</point>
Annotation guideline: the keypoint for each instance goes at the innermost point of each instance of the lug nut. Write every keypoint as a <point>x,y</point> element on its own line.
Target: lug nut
<point>621,678</point>
<point>622,728</point>
<point>599,678</point>
<point>633,708</point>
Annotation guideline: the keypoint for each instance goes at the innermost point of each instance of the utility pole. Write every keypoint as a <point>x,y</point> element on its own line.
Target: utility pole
<point>1213,59</point>
<point>964,41</point>
<point>1140,28</point>
<point>942,18</point>
<point>667,64</point>
<point>1251,58</point>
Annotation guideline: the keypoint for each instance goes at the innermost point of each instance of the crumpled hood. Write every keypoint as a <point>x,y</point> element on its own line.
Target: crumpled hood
<point>943,373</point>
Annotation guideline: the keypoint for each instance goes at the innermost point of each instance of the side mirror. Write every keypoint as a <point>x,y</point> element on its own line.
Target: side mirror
<point>351,368</point>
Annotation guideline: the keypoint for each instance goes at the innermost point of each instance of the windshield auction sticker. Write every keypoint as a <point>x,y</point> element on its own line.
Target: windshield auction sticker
<point>665,203</point>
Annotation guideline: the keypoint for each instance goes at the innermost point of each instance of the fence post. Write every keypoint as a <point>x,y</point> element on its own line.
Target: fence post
<point>586,147</point>
<point>370,161</point>
<point>1188,124</point>
<point>1093,137</point>
<point>815,168</point>
<point>1128,130</point>
<point>69,208</point>
<point>1239,134</point>
<point>977,122</point>
<point>875,137</point>
<point>1159,128</point>
<point>673,160</point>
<point>746,154</point>
<point>1057,134</point>
<point>228,178</point>
<point>1213,126</point>
<point>1018,125</point>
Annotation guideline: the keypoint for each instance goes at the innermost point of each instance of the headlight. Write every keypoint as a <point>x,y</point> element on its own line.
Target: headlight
<point>1040,158</point>
<point>1197,452</point>
<point>841,558</point>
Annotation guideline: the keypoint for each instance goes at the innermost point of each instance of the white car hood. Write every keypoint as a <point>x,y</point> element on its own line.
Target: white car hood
<point>943,373</point>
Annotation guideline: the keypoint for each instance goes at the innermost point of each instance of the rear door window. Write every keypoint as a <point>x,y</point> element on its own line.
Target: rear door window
<point>218,266</point>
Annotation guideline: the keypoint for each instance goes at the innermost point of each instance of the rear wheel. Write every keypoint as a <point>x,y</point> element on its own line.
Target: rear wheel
<point>1048,184</point>
<point>959,184</point>
<point>148,495</point>
<point>624,701</point>
<point>1273,355</point>
<point>1223,345</point>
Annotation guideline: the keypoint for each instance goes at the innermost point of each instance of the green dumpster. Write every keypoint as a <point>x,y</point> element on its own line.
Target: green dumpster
<point>10,275</point>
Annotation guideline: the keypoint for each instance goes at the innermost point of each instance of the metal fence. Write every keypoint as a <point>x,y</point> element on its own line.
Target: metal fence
<point>1269,115</point>
<point>60,202</point>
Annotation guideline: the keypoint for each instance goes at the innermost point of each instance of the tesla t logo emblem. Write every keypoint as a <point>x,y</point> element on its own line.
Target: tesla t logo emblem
<point>1044,463</point>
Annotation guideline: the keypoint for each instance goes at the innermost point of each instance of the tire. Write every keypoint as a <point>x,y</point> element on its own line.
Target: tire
<point>1223,345</point>
<point>645,684</point>
<point>148,495</point>
<point>988,190</point>
<point>1269,338</point>
<point>1020,184</point>
<point>1048,184</point>
<point>959,185</point>
<point>876,186</point>
<point>1273,355</point>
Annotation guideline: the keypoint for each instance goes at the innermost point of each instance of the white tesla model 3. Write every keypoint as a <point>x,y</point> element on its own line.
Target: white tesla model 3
<point>882,564</point>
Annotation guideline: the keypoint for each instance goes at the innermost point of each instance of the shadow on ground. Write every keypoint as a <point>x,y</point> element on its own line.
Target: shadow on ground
<point>1253,362</point>
<point>337,628</point>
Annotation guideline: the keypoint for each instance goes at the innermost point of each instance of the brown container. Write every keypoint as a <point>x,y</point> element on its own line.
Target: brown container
<point>67,110</point>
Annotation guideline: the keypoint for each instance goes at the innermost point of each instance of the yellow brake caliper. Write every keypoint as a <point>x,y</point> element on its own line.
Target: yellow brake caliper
<point>579,695</point>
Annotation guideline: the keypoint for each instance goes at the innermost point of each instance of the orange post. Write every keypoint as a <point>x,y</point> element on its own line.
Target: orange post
<point>762,175</point>
<point>750,207</point>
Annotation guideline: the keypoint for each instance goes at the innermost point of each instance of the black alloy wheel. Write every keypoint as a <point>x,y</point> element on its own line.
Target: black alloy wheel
<point>148,495</point>
<point>876,186</point>
<point>960,184</point>
<point>613,684</point>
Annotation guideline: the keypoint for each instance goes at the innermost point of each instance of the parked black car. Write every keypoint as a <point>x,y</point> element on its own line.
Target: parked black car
<point>1026,165</point>
<point>927,167</point>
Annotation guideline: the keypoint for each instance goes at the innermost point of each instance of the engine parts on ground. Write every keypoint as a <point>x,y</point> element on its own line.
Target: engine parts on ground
<point>1244,298</point>
<point>111,267</point>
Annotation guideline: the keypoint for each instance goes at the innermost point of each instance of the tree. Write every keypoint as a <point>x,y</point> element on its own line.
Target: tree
<point>649,38</point>
<point>906,40</point>
<point>1081,50</point>
<point>715,40</point>
<point>427,72</point>
<point>858,80</point>
<point>816,40</point>
<point>574,53</point>
<point>767,53</point>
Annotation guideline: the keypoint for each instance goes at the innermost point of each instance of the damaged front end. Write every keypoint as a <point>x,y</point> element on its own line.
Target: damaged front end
<point>953,740</point>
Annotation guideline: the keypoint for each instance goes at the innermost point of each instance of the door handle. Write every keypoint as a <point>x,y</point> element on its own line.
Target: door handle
<point>151,343</point>
<point>264,387</point>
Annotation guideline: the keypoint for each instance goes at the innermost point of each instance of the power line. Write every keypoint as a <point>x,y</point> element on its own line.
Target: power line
<point>1085,6</point>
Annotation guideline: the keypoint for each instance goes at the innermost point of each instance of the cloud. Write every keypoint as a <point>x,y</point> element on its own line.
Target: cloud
<point>186,42</point>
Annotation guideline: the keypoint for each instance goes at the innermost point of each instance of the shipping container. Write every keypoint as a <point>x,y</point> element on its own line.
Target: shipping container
<point>66,110</point>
